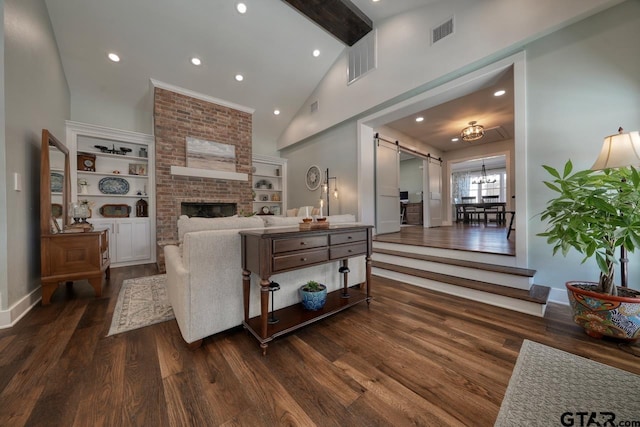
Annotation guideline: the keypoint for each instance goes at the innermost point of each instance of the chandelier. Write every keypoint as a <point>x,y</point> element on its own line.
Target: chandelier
<point>483,178</point>
<point>473,132</point>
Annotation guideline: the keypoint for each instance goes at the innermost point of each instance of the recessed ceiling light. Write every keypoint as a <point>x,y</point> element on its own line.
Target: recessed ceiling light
<point>196,61</point>
<point>454,139</point>
<point>241,7</point>
<point>276,112</point>
<point>419,119</point>
<point>316,53</point>
<point>375,1</point>
<point>500,92</point>
<point>239,77</point>
<point>115,58</point>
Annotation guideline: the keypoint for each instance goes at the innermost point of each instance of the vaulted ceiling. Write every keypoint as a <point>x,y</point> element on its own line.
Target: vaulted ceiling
<point>271,45</point>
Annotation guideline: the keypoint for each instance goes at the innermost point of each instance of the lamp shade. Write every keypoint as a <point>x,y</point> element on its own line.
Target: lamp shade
<point>618,151</point>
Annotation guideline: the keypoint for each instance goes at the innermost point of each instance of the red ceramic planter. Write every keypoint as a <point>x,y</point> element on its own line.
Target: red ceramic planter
<point>601,314</point>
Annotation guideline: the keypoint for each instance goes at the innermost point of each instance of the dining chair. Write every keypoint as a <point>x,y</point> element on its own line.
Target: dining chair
<point>493,210</point>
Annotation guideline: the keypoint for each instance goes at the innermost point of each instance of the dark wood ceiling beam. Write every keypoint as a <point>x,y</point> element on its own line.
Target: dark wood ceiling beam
<point>341,18</point>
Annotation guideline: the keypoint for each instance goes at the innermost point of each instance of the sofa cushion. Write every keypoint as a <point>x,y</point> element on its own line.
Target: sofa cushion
<point>340,219</point>
<point>280,221</point>
<point>187,225</point>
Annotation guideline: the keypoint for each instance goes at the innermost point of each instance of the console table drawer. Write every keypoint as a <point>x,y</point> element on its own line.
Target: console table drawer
<point>346,251</point>
<point>299,259</point>
<point>356,236</point>
<point>299,243</point>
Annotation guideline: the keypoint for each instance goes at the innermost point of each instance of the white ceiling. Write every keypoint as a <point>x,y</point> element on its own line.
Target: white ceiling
<point>445,121</point>
<point>270,45</point>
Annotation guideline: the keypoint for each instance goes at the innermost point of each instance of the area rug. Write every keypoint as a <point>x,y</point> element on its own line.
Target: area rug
<point>142,302</point>
<point>550,387</point>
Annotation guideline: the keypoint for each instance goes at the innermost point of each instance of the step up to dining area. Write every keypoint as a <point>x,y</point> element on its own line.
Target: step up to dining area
<point>486,279</point>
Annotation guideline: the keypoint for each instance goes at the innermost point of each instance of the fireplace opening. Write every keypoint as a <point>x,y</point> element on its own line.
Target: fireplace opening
<point>208,210</point>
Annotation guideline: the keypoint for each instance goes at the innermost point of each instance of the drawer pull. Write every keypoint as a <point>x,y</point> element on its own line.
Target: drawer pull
<point>303,259</point>
<point>350,251</point>
<point>350,237</point>
<point>302,243</point>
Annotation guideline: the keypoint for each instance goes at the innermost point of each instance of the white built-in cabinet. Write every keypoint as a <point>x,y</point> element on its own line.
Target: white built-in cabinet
<point>121,182</point>
<point>269,184</point>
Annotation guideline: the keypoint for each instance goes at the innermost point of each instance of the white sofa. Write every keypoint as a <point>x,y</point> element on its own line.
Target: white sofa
<point>204,274</point>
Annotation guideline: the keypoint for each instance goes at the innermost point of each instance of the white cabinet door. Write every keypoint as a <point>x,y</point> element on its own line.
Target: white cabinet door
<point>132,240</point>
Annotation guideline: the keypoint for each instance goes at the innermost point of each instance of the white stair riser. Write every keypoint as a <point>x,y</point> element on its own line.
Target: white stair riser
<point>521,306</point>
<point>497,278</point>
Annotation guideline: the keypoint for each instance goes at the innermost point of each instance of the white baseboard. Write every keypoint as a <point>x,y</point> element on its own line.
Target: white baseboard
<point>559,296</point>
<point>10,317</point>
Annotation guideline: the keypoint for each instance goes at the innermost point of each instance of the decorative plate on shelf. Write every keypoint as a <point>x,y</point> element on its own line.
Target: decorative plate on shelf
<point>313,178</point>
<point>57,181</point>
<point>113,185</point>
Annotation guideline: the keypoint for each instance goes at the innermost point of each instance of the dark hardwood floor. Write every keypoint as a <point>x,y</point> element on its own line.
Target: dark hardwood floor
<point>414,357</point>
<point>468,237</point>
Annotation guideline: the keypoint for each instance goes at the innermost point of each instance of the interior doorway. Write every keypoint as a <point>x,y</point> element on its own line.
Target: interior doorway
<point>437,95</point>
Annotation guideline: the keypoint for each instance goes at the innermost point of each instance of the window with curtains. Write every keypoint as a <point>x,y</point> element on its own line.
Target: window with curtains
<point>463,185</point>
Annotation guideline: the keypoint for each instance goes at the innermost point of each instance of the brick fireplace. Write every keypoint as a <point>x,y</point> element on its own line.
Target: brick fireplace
<point>176,117</point>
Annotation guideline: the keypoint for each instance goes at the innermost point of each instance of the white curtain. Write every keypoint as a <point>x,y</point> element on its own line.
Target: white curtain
<point>460,185</point>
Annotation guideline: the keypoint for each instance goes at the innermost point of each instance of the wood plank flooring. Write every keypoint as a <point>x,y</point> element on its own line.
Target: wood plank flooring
<point>414,357</point>
<point>468,237</point>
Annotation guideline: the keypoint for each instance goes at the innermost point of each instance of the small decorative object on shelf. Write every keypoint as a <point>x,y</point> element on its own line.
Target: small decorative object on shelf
<point>313,295</point>
<point>84,186</point>
<point>115,211</point>
<point>142,152</point>
<point>86,162</point>
<point>275,197</point>
<point>113,150</point>
<point>138,169</point>
<point>142,208</point>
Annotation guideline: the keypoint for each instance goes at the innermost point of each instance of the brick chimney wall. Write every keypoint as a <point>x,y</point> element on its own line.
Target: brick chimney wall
<point>176,117</point>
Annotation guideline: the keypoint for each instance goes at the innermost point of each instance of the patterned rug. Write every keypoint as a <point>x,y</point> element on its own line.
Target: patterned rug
<point>141,302</point>
<point>550,387</point>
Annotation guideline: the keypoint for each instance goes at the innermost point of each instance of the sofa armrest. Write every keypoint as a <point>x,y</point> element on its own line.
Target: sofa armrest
<point>178,289</point>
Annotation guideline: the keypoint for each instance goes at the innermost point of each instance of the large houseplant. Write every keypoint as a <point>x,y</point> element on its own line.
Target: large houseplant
<point>596,213</point>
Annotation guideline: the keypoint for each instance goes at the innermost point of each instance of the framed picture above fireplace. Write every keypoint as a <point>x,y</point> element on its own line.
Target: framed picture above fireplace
<point>203,154</point>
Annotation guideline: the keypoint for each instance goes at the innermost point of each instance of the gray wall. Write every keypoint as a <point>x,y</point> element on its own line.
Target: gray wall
<point>582,83</point>
<point>36,97</point>
<point>334,149</point>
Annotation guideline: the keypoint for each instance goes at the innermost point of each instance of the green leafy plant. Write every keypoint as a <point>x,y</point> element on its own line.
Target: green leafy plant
<point>594,212</point>
<point>312,286</point>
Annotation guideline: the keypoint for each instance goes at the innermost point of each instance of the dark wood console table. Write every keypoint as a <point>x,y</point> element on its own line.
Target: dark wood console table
<point>267,252</point>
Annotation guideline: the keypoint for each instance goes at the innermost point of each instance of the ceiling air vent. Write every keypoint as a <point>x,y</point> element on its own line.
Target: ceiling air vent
<point>362,57</point>
<point>314,106</point>
<point>442,31</point>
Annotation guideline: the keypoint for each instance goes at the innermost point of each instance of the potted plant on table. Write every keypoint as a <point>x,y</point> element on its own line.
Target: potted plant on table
<point>313,295</point>
<point>597,212</point>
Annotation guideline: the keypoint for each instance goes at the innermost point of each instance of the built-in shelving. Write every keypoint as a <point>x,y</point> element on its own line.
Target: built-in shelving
<point>132,238</point>
<point>269,184</point>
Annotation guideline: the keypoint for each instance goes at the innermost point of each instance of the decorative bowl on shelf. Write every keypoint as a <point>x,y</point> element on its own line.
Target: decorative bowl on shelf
<point>306,220</point>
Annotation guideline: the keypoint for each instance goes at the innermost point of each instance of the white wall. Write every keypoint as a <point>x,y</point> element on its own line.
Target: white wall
<point>407,64</point>
<point>36,96</point>
<point>582,83</point>
<point>334,149</point>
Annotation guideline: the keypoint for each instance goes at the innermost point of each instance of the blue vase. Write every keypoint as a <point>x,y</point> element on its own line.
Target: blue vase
<point>313,300</point>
